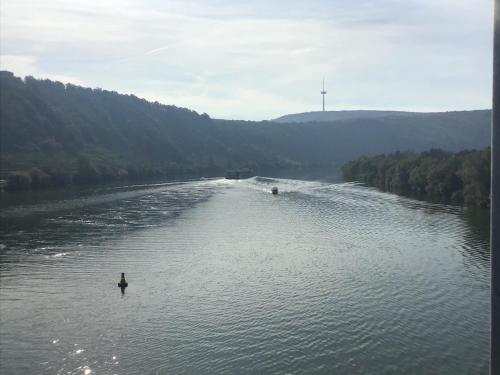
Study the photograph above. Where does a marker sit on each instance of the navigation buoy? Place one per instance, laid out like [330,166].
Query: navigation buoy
[123,283]
[274,190]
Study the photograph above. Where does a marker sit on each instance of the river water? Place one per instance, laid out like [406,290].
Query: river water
[225,278]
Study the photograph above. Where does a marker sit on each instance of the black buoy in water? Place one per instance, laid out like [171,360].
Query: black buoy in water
[123,283]
[274,190]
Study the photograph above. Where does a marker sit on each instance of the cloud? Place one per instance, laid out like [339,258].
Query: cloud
[260,59]
[27,66]
[23,65]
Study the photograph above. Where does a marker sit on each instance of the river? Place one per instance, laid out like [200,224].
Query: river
[225,278]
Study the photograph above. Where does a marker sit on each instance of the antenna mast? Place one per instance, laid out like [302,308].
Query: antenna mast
[323,93]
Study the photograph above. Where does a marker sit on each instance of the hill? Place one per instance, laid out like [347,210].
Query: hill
[52,133]
[329,116]
[317,143]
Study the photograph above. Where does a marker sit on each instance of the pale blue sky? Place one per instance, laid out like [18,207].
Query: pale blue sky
[260,59]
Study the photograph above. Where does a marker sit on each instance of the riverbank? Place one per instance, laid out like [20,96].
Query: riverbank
[85,173]
[436,175]
[35,180]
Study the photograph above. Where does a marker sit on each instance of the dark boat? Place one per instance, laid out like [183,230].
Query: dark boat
[238,174]
[274,190]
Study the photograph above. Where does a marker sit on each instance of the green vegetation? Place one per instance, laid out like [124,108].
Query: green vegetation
[55,134]
[436,175]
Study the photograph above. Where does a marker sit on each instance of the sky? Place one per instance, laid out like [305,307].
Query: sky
[260,59]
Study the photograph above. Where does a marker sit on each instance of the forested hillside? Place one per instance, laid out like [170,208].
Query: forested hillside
[435,175]
[55,134]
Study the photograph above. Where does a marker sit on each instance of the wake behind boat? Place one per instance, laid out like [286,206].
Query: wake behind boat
[238,174]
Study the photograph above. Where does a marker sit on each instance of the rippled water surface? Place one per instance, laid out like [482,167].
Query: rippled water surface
[225,278]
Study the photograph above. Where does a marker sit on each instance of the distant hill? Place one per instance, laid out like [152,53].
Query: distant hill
[329,116]
[338,141]
[53,132]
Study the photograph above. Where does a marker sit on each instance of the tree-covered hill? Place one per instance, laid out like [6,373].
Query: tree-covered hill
[343,140]
[437,175]
[45,119]
[54,133]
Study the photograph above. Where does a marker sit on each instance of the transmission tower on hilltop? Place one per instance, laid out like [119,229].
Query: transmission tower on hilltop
[323,92]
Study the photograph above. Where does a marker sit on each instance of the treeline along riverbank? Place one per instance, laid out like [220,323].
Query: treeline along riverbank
[436,175]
